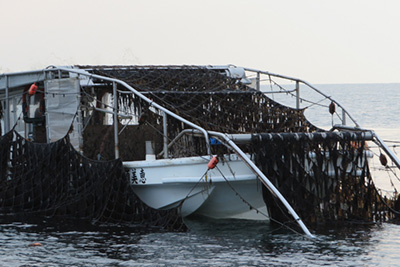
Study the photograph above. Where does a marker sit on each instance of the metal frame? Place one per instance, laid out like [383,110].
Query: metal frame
[298,81]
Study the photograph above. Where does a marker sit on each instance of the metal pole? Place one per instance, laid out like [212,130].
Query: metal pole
[388,151]
[115,120]
[264,180]
[306,83]
[258,82]
[165,135]
[343,117]
[297,95]
[7,110]
[79,120]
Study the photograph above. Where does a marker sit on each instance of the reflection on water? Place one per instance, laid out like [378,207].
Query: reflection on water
[207,243]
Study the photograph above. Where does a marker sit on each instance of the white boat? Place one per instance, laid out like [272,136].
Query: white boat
[187,183]
[70,99]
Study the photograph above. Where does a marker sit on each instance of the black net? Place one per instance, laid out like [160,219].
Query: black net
[170,78]
[324,176]
[206,97]
[322,188]
[53,180]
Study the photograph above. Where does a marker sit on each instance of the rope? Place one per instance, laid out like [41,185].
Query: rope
[251,206]
[191,190]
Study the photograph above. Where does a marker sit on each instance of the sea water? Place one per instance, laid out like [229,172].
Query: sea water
[224,242]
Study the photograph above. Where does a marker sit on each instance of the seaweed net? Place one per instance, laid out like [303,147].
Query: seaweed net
[53,180]
[206,97]
[325,179]
[324,176]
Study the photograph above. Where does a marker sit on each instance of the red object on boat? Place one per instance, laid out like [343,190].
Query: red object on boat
[213,162]
[32,89]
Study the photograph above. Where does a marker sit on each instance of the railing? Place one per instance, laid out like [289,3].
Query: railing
[376,139]
[297,91]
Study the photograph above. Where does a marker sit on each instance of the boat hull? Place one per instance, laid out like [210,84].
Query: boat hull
[229,191]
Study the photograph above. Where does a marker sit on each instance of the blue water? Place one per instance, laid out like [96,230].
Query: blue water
[372,105]
[224,242]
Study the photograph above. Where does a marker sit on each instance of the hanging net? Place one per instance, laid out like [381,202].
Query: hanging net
[324,179]
[206,97]
[53,180]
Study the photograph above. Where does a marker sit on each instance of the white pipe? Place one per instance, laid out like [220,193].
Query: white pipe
[264,180]
[387,150]
[7,108]
[165,137]
[115,118]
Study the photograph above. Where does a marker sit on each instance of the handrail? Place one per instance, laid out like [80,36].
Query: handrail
[237,138]
[387,150]
[309,85]
[183,132]
[378,141]
[79,71]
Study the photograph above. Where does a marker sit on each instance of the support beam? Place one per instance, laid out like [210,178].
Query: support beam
[297,95]
[115,120]
[391,155]
[343,117]
[317,136]
[263,179]
[258,87]
[7,108]
[165,135]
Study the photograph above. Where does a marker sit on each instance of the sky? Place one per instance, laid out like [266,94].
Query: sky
[320,41]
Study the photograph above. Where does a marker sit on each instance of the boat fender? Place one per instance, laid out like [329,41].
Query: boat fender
[33,89]
[332,108]
[213,162]
[383,160]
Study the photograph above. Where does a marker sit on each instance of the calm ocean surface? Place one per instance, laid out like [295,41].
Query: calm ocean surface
[225,242]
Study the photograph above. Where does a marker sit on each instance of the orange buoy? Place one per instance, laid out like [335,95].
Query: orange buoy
[36,244]
[213,162]
[32,89]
